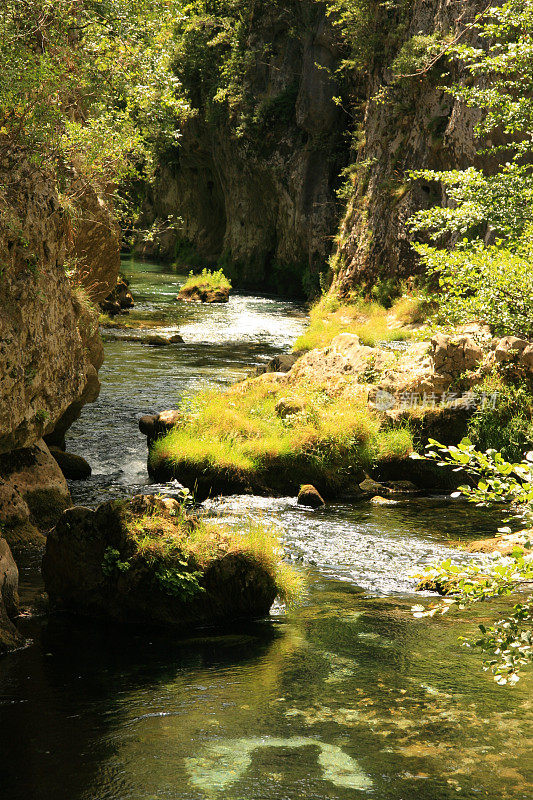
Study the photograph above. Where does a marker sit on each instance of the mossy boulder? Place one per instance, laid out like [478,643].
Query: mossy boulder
[310,497]
[146,561]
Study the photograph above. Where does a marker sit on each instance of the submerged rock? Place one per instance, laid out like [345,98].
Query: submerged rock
[310,497]
[72,466]
[133,561]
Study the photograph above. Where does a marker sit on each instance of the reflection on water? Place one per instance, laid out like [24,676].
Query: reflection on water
[346,696]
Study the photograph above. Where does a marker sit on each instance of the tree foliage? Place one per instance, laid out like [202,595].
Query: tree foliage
[488,212]
[88,84]
[508,643]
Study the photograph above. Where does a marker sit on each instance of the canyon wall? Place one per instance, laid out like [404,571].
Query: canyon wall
[261,199]
[50,349]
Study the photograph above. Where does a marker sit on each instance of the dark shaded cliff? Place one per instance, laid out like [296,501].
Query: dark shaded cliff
[255,180]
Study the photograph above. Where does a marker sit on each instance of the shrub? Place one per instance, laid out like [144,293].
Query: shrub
[490,285]
[207,279]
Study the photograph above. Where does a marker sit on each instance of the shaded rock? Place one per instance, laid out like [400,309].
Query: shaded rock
[455,355]
[526,359]
[282,363]
[9,636]
[15,520]
[509,349]
[204,294]
[310,497]
[72,466]
[78,577]
[35,475]
[288,408]
[147,425]
[119,299]
[176,339]
[394,487]
[156,340]
[96,241]
[155,425]
[444,422]
[425,474]
[372,487]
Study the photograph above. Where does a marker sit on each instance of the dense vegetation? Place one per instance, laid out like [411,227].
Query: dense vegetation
[87,89]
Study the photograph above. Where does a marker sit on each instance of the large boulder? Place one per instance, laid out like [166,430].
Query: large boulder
[34,493]
[94,564]
[9,636]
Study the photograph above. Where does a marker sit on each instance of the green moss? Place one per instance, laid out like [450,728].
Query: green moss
[177,548]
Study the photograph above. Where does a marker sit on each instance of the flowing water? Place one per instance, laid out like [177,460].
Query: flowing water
[346,696]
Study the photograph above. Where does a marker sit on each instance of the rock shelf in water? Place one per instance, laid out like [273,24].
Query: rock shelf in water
[146,561]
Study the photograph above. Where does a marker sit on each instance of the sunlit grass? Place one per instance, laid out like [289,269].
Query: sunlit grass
[237,435]
[369,320]
[181,542]
[207,279]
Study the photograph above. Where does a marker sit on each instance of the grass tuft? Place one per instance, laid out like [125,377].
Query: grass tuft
[372,322]
[207,279]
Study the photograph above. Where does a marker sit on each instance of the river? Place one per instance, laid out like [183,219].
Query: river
[345,696]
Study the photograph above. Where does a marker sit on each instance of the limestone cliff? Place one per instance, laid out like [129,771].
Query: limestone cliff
[260,196]
[414,125]
[50,349]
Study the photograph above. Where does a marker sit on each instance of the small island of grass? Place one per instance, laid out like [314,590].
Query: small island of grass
[206,287]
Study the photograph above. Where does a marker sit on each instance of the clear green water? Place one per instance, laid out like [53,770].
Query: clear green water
[346,696]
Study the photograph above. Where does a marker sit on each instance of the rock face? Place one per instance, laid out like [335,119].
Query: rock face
[265,199]
[50,349]
[9,636]
[234,585]
[262,199]
[33,492]
[416,126]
